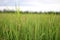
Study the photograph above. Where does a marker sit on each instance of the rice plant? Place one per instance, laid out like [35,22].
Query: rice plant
[29,27]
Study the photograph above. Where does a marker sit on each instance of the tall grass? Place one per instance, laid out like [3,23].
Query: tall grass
[29,27]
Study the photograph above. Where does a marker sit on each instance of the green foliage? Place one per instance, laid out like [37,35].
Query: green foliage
[29,27]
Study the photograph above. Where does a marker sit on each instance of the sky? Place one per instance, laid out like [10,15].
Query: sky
[9,2]
[31,5]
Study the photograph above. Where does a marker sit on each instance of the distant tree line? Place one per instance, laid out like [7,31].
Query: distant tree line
[27,12]
[7,11]
[50,12]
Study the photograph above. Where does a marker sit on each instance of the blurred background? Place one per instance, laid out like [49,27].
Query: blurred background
[31,5]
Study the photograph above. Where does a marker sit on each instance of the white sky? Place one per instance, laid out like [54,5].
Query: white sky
[31,5]
[40,5]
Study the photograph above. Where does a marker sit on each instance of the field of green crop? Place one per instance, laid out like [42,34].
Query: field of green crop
[29,26]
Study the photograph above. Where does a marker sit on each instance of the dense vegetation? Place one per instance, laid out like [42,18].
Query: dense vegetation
[35,26]
[27,12]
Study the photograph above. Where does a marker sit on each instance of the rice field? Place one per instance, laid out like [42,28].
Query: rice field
[29,26]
